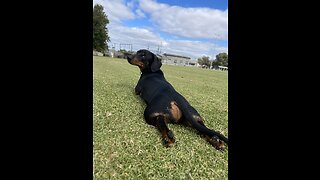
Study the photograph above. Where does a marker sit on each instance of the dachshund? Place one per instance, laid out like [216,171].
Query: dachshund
[165,104]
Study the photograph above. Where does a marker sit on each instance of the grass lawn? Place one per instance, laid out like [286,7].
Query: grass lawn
[125,147]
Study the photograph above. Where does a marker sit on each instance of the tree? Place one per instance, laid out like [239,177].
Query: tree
[125,51]
[222,59]
[100,31]
[204,61]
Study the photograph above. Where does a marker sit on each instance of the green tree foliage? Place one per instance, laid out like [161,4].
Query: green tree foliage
[100,31]
[221,59]
[125,51]
[204,61]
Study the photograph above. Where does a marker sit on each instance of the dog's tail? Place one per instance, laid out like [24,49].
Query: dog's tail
[189,117]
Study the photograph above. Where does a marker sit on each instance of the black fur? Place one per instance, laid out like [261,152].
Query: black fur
[165,104]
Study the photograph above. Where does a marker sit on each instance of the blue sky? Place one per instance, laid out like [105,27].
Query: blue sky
[191,28]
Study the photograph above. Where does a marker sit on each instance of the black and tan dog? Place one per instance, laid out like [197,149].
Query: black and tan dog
[164,104]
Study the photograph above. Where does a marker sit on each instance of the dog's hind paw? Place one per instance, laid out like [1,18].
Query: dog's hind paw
[217,143]
[170,135]
[169,140]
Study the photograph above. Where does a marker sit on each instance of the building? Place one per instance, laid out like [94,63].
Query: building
[223,68]
[96,53]
[172,59]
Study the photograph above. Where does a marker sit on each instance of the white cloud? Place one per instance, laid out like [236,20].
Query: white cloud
[140,14]
[142,38]
[139,37]
[151,6]
[193,49]
[131,4]
[188,22]
[116,10]
[177,21]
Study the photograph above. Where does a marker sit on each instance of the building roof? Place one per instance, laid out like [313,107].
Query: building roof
[223,67]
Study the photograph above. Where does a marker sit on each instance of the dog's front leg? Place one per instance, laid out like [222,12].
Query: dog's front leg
[138,89]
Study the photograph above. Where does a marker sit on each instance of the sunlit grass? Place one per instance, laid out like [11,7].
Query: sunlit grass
[125,147]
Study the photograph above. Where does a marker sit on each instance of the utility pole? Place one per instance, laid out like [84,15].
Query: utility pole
[114,45]
[212,62]
[213,56]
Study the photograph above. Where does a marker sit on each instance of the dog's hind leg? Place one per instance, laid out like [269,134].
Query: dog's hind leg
[167,135]
[160,120]
[215,141]
[196,117]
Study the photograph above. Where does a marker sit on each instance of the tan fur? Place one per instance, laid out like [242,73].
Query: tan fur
[175,111]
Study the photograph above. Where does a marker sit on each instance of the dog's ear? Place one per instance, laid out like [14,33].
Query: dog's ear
[156,64]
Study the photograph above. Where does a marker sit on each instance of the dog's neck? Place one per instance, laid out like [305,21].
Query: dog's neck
[150,73]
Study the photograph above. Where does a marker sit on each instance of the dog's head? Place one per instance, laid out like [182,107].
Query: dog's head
[145,60]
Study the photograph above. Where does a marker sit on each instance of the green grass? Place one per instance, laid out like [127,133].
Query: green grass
[125,147]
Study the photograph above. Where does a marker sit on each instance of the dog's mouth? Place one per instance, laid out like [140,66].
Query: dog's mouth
[137,62]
